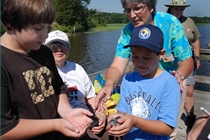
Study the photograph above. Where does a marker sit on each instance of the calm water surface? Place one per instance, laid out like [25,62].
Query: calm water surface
[205,65]
[95,51]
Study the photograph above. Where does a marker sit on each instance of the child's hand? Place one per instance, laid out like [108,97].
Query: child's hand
[78,117]
[68,129]
[101,125]
[125,122]
[114,117]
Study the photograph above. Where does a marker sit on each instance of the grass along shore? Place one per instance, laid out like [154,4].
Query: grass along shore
[122,25]
[117,26]
[107,28]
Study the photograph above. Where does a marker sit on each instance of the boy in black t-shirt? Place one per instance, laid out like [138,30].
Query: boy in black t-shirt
[34,103]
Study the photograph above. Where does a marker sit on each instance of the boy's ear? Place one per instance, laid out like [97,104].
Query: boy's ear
[151,10]
[163,51]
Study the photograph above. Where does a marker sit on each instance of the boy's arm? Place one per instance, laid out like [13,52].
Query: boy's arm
[28,128]
[126,122]
[152,126]
[63,104]
[91,102]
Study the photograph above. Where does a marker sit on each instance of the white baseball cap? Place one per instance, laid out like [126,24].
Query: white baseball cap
[57,36]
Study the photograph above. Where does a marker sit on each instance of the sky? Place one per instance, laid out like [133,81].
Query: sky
[199,8]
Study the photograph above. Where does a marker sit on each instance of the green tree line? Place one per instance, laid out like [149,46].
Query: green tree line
[198,20]
[74,16]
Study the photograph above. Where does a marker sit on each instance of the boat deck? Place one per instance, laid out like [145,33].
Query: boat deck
[202,99]
[201,95]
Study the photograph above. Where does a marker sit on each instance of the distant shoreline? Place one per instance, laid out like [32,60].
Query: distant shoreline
[107,28]
[117,26]
[202,24]
[122,25]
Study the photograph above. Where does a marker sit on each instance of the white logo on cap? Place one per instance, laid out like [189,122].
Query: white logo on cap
[144,33]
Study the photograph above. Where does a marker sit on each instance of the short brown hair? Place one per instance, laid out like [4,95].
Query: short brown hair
[18,14]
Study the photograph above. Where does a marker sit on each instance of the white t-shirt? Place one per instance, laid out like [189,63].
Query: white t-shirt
[79,84]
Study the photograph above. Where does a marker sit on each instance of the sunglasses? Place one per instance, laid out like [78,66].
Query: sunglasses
[179,8]
[55,47]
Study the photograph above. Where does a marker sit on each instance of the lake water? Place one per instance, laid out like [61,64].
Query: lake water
[205,65]
[95,51]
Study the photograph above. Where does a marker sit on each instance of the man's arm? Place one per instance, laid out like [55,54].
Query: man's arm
[116,71]
[113,75]
[117,68]
[186,67]
[184,70]
[196,49]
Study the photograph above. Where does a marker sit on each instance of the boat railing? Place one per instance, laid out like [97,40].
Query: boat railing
[205,54]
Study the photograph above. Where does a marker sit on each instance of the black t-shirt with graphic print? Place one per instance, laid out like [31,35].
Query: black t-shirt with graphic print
[30,88]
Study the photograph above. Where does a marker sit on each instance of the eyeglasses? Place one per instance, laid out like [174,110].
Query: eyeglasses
[136,10]
[179,8]
[55,47]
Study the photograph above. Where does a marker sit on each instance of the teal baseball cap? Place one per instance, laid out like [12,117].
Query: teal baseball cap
[148,36]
